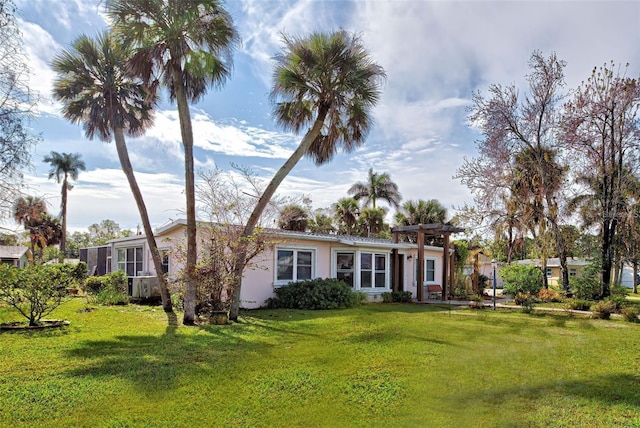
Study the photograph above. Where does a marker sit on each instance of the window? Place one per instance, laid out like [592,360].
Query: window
[429,270]
[130,260]
[362,270]
[294,265]
[345,267]
[573,272]
[548,272]
[165,261]
[373,271]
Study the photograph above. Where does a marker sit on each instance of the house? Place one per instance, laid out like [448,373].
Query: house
[554,270]
[15,255]
[370,265]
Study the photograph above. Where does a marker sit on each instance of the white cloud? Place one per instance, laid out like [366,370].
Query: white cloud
[233,139]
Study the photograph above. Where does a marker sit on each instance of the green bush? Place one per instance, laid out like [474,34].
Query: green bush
[397,296]
[603,309]
[521,279]
[116,280]
[318,293]
[36,290]
[110,296]
[586,285]
[618,296]
[579,305]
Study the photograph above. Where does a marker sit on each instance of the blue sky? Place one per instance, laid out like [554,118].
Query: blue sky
[436,54]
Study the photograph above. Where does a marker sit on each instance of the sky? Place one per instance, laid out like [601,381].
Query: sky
[436,55]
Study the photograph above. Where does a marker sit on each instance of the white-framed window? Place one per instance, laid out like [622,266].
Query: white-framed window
[362,269]
[429,270]
[130,260]
[549,272]
[345,266]
[165,255]
[294,264]
[573,272]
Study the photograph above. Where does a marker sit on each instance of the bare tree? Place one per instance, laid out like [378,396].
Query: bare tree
[524,126]
[17,105]
[602,127]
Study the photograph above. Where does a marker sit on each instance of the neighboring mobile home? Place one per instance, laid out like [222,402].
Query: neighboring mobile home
[367,264]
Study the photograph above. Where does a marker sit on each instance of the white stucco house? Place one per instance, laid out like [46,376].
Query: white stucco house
[369,265]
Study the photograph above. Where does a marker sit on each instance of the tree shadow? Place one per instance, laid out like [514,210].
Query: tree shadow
[607,390]
[155,364]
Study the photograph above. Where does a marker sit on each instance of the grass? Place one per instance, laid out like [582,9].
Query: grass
[374,366]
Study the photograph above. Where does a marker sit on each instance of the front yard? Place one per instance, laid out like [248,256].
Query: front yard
[378,365]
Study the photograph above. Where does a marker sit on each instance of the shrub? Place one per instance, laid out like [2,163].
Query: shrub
[110,296]
[630,313]
[521,279]
[526,300]
[318,293]
[116,280]
[397,296]
[603,309]
[549,295]
[586,285]
[34,291]
[94,284]
[618,296]
[579,305]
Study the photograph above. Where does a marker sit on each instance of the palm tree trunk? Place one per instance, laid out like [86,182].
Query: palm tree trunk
[271,188]
[189,174]
[125,163]
[63,239]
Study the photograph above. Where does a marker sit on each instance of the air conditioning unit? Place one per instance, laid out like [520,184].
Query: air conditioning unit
[144,287]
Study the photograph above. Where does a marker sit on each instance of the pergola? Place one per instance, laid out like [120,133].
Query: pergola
[431,229]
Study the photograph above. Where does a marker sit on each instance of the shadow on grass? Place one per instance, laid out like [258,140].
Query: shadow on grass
[157,363]
[607,390]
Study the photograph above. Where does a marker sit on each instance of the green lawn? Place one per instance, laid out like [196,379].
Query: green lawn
[375,366]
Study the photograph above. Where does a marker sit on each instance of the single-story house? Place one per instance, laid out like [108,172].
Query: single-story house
[554,270]
[370,265]
[15,255]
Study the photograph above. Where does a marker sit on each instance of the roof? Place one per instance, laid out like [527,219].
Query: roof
[12,251]
[554,262]
[289,234]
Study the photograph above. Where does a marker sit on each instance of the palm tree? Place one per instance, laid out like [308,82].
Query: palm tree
[293,217]
[29,212]
[325,85]
[185,46]
[346,212]
[96,92]
[421,212]
[63,167]
[378,186]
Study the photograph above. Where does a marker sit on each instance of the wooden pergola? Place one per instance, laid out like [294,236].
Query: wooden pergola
[432,229]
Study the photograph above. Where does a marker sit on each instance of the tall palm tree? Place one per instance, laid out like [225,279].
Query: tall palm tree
[346,212]
[421,212]
[378,186]
[63,167]
[325,85]
[29,211]
[96,92]
[185,46]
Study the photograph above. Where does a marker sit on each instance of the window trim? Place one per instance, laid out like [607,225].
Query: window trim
[357,271]
[295,248]
[135,261]
[424,271]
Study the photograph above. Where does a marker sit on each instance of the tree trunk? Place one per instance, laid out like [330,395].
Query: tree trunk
[280,175]
[63,239]
[186,132]
[635,276]
[125,163]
